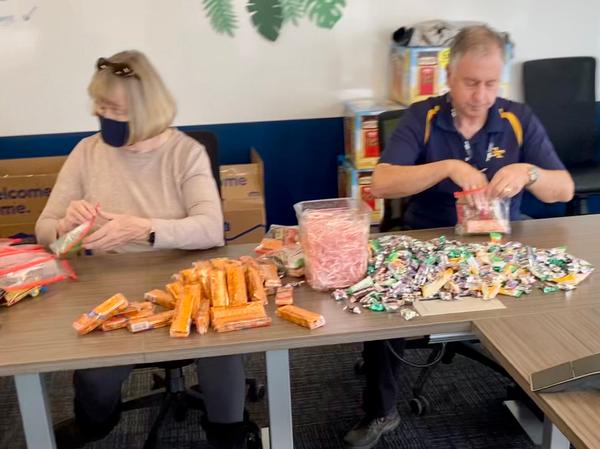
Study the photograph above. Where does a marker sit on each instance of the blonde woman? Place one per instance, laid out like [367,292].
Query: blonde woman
[151,187]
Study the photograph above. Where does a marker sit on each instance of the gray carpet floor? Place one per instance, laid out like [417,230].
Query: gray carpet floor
[465,396]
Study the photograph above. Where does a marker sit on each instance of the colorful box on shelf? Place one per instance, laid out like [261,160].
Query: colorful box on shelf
[420,72]
[356,183]
[361,137]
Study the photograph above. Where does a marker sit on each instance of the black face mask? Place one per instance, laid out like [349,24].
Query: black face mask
[114,132]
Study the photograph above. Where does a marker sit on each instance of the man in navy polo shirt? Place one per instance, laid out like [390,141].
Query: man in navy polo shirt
[466,139]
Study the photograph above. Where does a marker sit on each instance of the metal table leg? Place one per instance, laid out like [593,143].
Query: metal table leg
[35,411]
[280,402]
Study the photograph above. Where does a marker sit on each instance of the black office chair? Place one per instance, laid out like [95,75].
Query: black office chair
[170,391]
[393,209]
[562,93]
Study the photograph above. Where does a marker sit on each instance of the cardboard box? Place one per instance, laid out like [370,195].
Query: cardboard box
[361,135]
[356,183]
[25,185]
[420,72]
[242,189]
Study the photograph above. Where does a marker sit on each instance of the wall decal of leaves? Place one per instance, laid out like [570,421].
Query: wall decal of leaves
[292,10]
[267,17]
[221,15]
[325,13]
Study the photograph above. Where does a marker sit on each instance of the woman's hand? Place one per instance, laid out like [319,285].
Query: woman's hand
[78,212]
[118,230]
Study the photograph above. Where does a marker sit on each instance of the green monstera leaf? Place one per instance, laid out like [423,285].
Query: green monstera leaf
[221,15]
[292,10]
[267,17]
[325,13]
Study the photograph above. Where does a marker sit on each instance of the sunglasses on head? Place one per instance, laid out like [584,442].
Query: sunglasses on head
[118,68]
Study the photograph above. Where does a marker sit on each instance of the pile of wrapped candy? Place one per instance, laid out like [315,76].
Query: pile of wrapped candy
[403,270]
[225,294]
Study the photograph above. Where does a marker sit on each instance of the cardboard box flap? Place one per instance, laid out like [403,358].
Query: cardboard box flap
[31,166]
[243,181]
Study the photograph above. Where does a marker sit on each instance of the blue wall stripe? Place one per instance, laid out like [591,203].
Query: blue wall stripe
[300,156]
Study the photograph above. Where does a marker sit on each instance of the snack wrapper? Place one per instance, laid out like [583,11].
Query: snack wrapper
[91,320]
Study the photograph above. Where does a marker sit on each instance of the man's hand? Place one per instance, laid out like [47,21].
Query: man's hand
[78,212]
[465,175]
[509,181]
[118,230]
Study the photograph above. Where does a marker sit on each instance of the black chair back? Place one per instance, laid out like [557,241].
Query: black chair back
[211,144]
[562,93]
[393,209]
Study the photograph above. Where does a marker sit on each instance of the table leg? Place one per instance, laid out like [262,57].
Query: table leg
[35,411]
[552,438]
[280,402]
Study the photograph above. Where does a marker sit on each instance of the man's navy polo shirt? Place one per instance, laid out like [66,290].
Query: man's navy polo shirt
[426,133]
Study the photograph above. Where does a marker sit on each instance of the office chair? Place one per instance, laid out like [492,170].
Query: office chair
[393,209]
[562,93]
[441,351]
[170,391]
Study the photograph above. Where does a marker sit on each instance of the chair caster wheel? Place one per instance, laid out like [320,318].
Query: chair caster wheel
[359,367]
[419,406]
[256,393]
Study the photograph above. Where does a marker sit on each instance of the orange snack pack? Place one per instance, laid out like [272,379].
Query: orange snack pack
[203,270]
[269,273]
[300,316]
[284,296]
[175,289]
[251,309]
[182,318]
[219,262]
[151,322]
[189,276]
[243,324]
[136,307]
[236,283]
[218,288]
[91,320]
[161,298]
[202,317]
[255,282]
[120,321]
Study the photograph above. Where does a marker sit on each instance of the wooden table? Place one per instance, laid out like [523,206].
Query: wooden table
[525,344]
[37,337]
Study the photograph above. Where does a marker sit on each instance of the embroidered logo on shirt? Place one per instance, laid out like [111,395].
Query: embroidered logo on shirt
[495,152]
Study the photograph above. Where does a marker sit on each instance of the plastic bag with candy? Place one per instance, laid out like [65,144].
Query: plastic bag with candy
[47,272]
[70,242]
[476,213]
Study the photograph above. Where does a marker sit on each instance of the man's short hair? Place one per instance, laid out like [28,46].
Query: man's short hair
[479,39]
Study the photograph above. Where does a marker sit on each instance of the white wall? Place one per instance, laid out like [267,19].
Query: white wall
[46,62]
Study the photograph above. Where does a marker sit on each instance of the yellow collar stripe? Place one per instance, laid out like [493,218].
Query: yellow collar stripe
[515,123]
[430,114]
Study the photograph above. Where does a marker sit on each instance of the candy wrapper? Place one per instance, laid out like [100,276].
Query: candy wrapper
[70,242]
[91,320]
[300,316]
[161,298]
[334,236]
[403,270]
[151,322]
[476,213]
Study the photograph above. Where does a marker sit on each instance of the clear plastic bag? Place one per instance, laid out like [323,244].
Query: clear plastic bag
[19,259]
[476,213]
[334,235]
[47,272]
[70,242]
